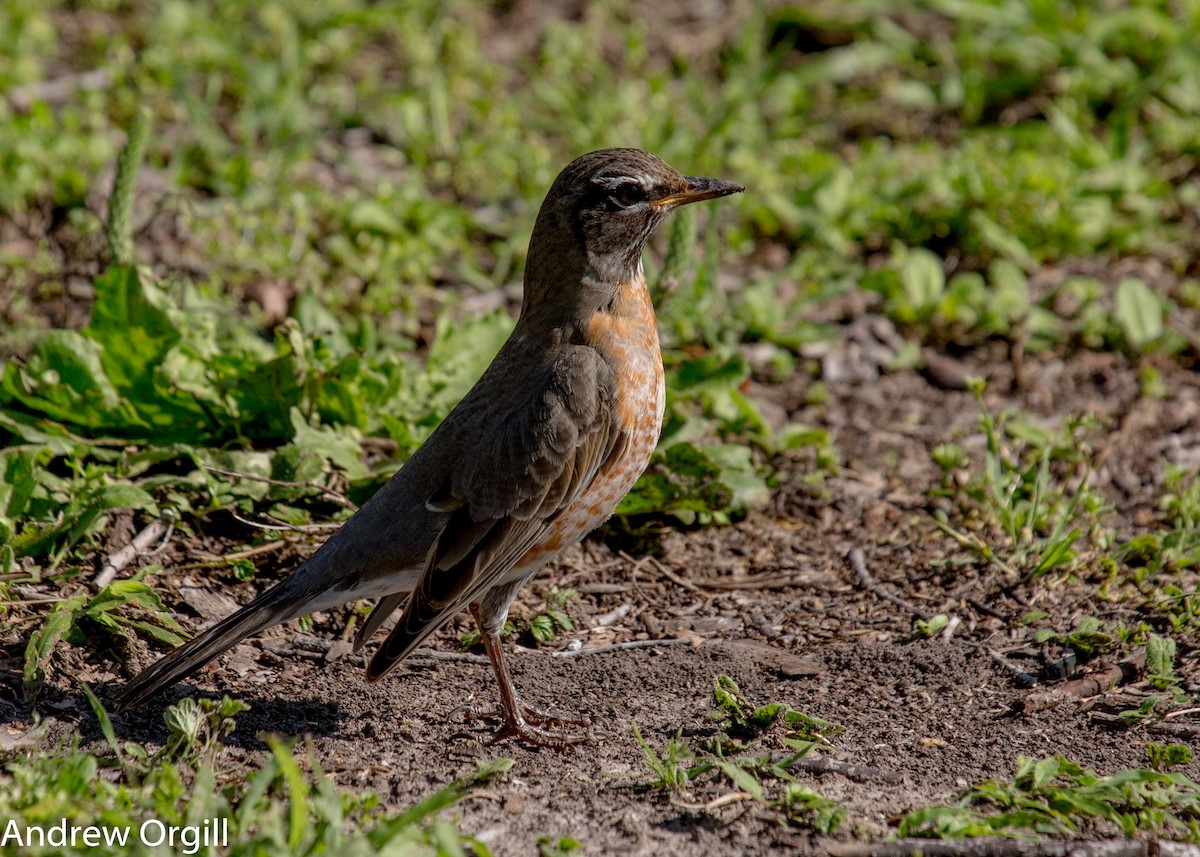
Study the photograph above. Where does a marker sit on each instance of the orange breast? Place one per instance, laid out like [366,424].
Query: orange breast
[628,338]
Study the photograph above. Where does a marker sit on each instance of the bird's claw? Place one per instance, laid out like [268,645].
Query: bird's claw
[534,726]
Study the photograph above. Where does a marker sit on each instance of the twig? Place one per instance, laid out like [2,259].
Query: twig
[994,846]
[331,493]
[436,655]
[859,564]
[762,581]
[612,616]
[717,802]
[672,576]
[1023,677]
[602,588]
[818,764]
[1184,731]
[617,647]
[1093,684]
[285,528]
[213,559]
[160,528]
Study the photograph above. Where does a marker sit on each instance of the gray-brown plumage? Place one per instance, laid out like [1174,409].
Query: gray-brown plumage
[537,454]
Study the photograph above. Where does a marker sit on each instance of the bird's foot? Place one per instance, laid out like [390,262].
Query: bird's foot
[542,730]
[535,727]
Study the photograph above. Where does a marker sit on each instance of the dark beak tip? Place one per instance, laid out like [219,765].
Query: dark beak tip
[702,188]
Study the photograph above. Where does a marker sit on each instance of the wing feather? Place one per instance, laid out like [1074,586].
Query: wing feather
[544,454]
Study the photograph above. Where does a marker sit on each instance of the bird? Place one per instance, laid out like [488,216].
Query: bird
[538,453]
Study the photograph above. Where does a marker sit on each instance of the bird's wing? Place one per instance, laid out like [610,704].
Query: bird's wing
[506,488]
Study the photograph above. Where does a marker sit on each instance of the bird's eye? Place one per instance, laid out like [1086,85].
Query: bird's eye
[628,194]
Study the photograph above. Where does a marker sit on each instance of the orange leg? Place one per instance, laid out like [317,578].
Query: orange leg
[522,721]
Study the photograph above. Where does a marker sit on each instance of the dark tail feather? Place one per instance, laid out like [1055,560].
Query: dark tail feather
[382,612]
[276,605]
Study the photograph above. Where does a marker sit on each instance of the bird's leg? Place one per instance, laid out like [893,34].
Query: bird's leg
[522,721]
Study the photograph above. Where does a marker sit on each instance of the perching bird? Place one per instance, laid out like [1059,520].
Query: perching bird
[538,453]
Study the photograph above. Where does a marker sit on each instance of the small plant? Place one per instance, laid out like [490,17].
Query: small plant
[1181,498]
[548,846]
[1089,638]
[1160,662]
[1053,795]
[736,713]
[764,779]
[1163,757]
[121,607]
[932,626]
[673,768]
[1042,516]
[544,625]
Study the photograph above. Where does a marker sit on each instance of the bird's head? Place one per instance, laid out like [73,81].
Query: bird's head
[599,213]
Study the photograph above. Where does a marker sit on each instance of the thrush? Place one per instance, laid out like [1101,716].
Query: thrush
[536,455]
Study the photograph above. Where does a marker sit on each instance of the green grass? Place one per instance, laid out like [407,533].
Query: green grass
[1028,510]
[283,805]
[967,168]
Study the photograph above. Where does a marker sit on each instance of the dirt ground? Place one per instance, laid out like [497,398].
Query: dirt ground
[772,602]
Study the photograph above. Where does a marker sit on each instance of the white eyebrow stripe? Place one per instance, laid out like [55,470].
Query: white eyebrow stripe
[641,179]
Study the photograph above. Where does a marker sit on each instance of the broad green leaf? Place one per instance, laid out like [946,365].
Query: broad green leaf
[134,334]
[459,355]
[923,278]
[1009,294]
[18,480]
[1001,241]
[341,447]
[1044,773]
[58,622]
[1139,312]
[710,373]
[1160,656]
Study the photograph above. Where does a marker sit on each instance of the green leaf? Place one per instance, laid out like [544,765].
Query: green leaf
[741,778]
[58,622]
[1001,241]
[1139,312]
[133,332]
[1160,657]
[542,628]
[923,278]
[1044,773]
[297,790]
[18,481]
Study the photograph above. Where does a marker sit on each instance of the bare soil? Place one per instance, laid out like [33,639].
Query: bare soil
[772,602]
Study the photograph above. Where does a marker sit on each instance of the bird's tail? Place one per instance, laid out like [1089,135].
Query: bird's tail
[277,604]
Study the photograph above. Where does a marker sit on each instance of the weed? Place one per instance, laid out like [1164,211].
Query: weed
[275,809]
[765,779]
[1089,638]
[548,846]
[932,626]
[736,713]
[1181,498]
[1054,795]
[1040,515]
[79,618]
[674,767]
[545,624]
